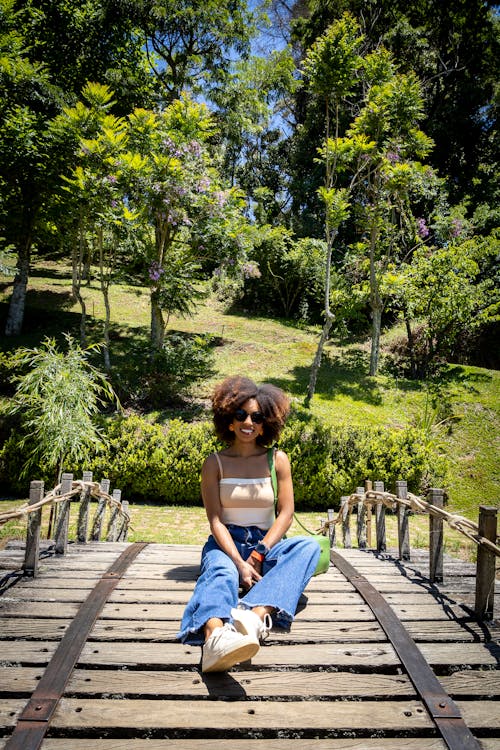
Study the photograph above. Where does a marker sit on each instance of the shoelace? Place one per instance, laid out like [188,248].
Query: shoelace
[267,624]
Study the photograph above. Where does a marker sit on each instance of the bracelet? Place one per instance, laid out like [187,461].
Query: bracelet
[257,556]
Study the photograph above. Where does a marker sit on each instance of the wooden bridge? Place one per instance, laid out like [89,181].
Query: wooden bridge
[334,682]
[384,652]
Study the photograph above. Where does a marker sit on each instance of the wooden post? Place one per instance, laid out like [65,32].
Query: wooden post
[436,497]
[380,519]
[368,511]
[346,521]
[361,519]
[83,513]
[61,535]
[99,514]
[403,527]
[122,534]
[31,554]
[485,568]
[332,529]
[111,535]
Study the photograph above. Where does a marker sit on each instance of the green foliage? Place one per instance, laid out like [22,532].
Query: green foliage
[447,290]
[154,462]
[57,399]
[162,463]
[164,378]
[329,462]
[291,274]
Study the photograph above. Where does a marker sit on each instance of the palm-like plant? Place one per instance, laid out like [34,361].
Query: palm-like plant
[57,398]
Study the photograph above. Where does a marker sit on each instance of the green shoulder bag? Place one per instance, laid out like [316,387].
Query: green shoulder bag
[322,541]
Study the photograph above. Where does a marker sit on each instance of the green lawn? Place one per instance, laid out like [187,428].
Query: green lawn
[280,352]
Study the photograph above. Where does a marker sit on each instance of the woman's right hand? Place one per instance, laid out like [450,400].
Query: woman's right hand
[248,574]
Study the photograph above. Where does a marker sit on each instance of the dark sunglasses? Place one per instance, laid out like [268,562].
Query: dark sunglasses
[256,416]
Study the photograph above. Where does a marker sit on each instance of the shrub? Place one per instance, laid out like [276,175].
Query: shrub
[162,463]
[182,361]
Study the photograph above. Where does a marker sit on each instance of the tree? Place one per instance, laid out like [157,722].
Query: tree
[48,51]
[392,175]
[178,195]
[58,399]
[28,167]
[452,47]
[330,68]
[191,46]
[369,167]
[97,202]
[445,289]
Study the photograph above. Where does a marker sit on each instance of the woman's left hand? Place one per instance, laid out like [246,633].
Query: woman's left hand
[249,574]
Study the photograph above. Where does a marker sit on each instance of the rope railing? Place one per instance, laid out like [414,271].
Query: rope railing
[79,487]
[416,504]
[373,497]
[59,500]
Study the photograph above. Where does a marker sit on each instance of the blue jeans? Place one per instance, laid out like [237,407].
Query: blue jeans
[286,571]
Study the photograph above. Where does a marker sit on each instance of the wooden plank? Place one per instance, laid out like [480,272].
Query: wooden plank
[191,685]
[267,716]
[302,631]
[251,744]
[410,743]
[173,611]
[22,680]
[313,656]
[240,716]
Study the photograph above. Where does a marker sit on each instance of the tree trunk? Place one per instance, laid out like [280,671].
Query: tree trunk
[317,358]
[411,348]
[376,305]
[157,325]
[376,329]
[105,279]
[15,316]
[76,279]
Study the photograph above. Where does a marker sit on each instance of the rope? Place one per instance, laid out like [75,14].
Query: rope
[52,498]
[466,527]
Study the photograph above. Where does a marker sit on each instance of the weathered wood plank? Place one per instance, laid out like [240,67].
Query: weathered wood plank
[332,631]
[410,743]
[161,683]
[76,714]
[173,611]
[85,713]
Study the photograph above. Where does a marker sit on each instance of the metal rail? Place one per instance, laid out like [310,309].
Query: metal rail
[442,709]
[36,716]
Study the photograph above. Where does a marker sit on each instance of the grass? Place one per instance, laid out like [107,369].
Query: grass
[188,525]
[280,352]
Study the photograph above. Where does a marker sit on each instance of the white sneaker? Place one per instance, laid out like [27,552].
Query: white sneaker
[226,647]
[248,622]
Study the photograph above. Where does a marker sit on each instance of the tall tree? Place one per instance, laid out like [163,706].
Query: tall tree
[191,44]
[28,168]
[453,48]
[48,52]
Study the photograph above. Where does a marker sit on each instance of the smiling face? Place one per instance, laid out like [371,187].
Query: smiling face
[247,430]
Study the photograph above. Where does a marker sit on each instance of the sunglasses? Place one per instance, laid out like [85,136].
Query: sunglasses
[256,416]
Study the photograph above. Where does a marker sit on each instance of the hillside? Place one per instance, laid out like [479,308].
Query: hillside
[281,352]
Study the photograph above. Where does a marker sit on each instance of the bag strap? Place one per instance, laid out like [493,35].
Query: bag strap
[274,482]
[274,479]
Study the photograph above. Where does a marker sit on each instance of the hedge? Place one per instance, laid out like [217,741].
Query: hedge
[160,463]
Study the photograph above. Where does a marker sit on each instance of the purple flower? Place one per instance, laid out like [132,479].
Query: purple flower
[155,271]
[422,228]
[457,226]
[393,157]
[112,178]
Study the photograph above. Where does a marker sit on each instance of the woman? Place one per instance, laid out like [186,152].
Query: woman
[246,547]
